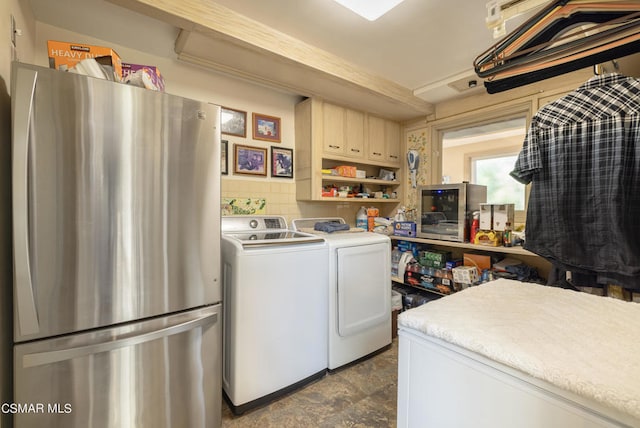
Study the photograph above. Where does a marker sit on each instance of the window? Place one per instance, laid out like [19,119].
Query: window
[493,172]
[485,153]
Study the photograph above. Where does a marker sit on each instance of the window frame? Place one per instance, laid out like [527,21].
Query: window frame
[503,112]
[469,160]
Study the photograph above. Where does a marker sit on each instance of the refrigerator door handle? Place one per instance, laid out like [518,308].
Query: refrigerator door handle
[49,357]
[25,297]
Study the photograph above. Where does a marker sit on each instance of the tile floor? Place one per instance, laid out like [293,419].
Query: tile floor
[360,395]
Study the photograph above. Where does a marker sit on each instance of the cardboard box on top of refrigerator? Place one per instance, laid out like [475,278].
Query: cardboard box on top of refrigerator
[64,56]
[144,76]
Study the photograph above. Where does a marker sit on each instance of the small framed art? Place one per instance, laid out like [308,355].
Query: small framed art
[266,128]
[250,160]
[281,162]
[224,159]
[233,122]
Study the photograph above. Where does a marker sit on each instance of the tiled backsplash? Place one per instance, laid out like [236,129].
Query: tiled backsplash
[281,200]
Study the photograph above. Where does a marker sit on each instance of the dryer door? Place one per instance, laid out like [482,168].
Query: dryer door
[364,287]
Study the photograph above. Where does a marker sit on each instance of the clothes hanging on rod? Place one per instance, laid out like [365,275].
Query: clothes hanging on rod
[614,32]
[582,158]
[565,36]
[609,53]
[551,22]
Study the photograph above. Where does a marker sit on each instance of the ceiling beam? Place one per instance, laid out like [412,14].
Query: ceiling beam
[211,21]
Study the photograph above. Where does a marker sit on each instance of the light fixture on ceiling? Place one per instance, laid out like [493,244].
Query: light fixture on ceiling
[369,9]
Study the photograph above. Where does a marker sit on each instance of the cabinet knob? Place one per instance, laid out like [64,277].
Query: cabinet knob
[333,146]
[393,157]
[377,154]
[355,150]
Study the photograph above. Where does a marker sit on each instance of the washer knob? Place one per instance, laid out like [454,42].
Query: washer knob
[253,223]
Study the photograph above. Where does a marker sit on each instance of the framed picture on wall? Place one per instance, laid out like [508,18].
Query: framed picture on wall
[250,160]
[224,160]
[233,122]
[281,162]
[266,128]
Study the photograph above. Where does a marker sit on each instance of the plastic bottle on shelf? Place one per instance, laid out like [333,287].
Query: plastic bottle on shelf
[395,259]
[361,219]
[507,238]
[475,226]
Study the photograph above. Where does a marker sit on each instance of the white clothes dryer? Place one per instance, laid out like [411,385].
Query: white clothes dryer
[359,291]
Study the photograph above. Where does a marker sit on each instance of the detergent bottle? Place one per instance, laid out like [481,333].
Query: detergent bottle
[361,219]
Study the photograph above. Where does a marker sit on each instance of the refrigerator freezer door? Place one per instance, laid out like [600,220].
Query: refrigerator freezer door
[159,373]
[115,203]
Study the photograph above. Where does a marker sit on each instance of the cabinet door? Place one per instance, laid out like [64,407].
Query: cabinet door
[354,134]
[333,141]
[392,142]
[376,146]
[363,300]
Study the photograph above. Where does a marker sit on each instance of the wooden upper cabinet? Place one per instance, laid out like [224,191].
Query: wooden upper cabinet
[357,135]
[376,139]
[333,129]
[354,134]
[392,142]
[328,135]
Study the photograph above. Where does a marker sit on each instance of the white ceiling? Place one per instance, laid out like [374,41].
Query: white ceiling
[422,45]
[416,44]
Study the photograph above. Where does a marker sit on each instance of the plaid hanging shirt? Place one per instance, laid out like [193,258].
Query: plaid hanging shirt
[582,156]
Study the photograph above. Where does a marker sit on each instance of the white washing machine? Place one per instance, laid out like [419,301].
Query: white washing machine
[359,291]
[275,309]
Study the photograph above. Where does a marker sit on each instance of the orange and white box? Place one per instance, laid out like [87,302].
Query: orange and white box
[64,56]
[372,213]
[346,171]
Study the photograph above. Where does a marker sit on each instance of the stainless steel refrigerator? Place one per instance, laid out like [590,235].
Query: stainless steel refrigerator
[117,296]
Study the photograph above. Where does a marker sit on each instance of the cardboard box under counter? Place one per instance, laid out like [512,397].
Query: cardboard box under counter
[465,274]
[480,261]
[435,258]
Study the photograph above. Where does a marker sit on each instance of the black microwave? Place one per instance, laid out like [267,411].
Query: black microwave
[445,210]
